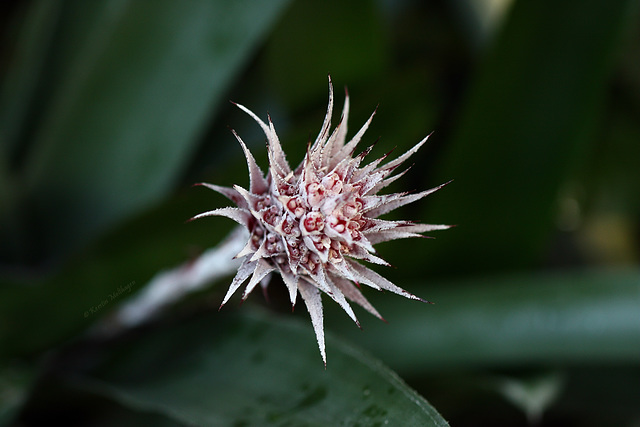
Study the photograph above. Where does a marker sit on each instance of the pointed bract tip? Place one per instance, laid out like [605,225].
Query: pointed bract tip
[417,298]
[422,236]
[388,153]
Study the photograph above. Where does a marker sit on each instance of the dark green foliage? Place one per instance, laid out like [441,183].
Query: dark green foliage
[111,109]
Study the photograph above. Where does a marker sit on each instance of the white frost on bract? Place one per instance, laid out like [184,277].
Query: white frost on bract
[314,223]
[169,286]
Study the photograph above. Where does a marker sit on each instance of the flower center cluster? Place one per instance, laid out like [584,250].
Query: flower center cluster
[307,222]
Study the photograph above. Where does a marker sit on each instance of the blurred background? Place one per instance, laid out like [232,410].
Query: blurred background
[110,110]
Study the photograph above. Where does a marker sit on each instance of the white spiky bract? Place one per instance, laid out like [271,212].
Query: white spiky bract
[313,224]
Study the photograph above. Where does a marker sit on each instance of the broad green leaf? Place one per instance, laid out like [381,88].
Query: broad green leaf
[18,85]
[250,370]
[530,119]
[20,80]
[133,85]
[37,313]
[562,318]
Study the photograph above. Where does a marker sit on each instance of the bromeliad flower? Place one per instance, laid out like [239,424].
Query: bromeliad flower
[315,223]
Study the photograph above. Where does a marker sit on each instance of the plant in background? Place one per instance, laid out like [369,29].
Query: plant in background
[313,224]
[533,321]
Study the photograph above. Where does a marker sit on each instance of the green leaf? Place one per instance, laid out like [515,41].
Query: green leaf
[353,50]
[52,308]
[530,119]
[17,88]
[20,80]
[515,320]
[133,84]
[533,395]
[223,370]
[15,382]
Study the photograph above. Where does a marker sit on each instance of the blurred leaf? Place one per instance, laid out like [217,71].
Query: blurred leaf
[17,87]
[529,121]
[55,400]
[579,317]
[255,371]
[602,395]
[344,39]
[591,395]
[533,395]
[481,19]
[15,382]
[136,84]
[616,175]
[20,80]
[50,309]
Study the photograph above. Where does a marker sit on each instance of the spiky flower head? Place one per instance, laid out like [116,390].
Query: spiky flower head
[315,223]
